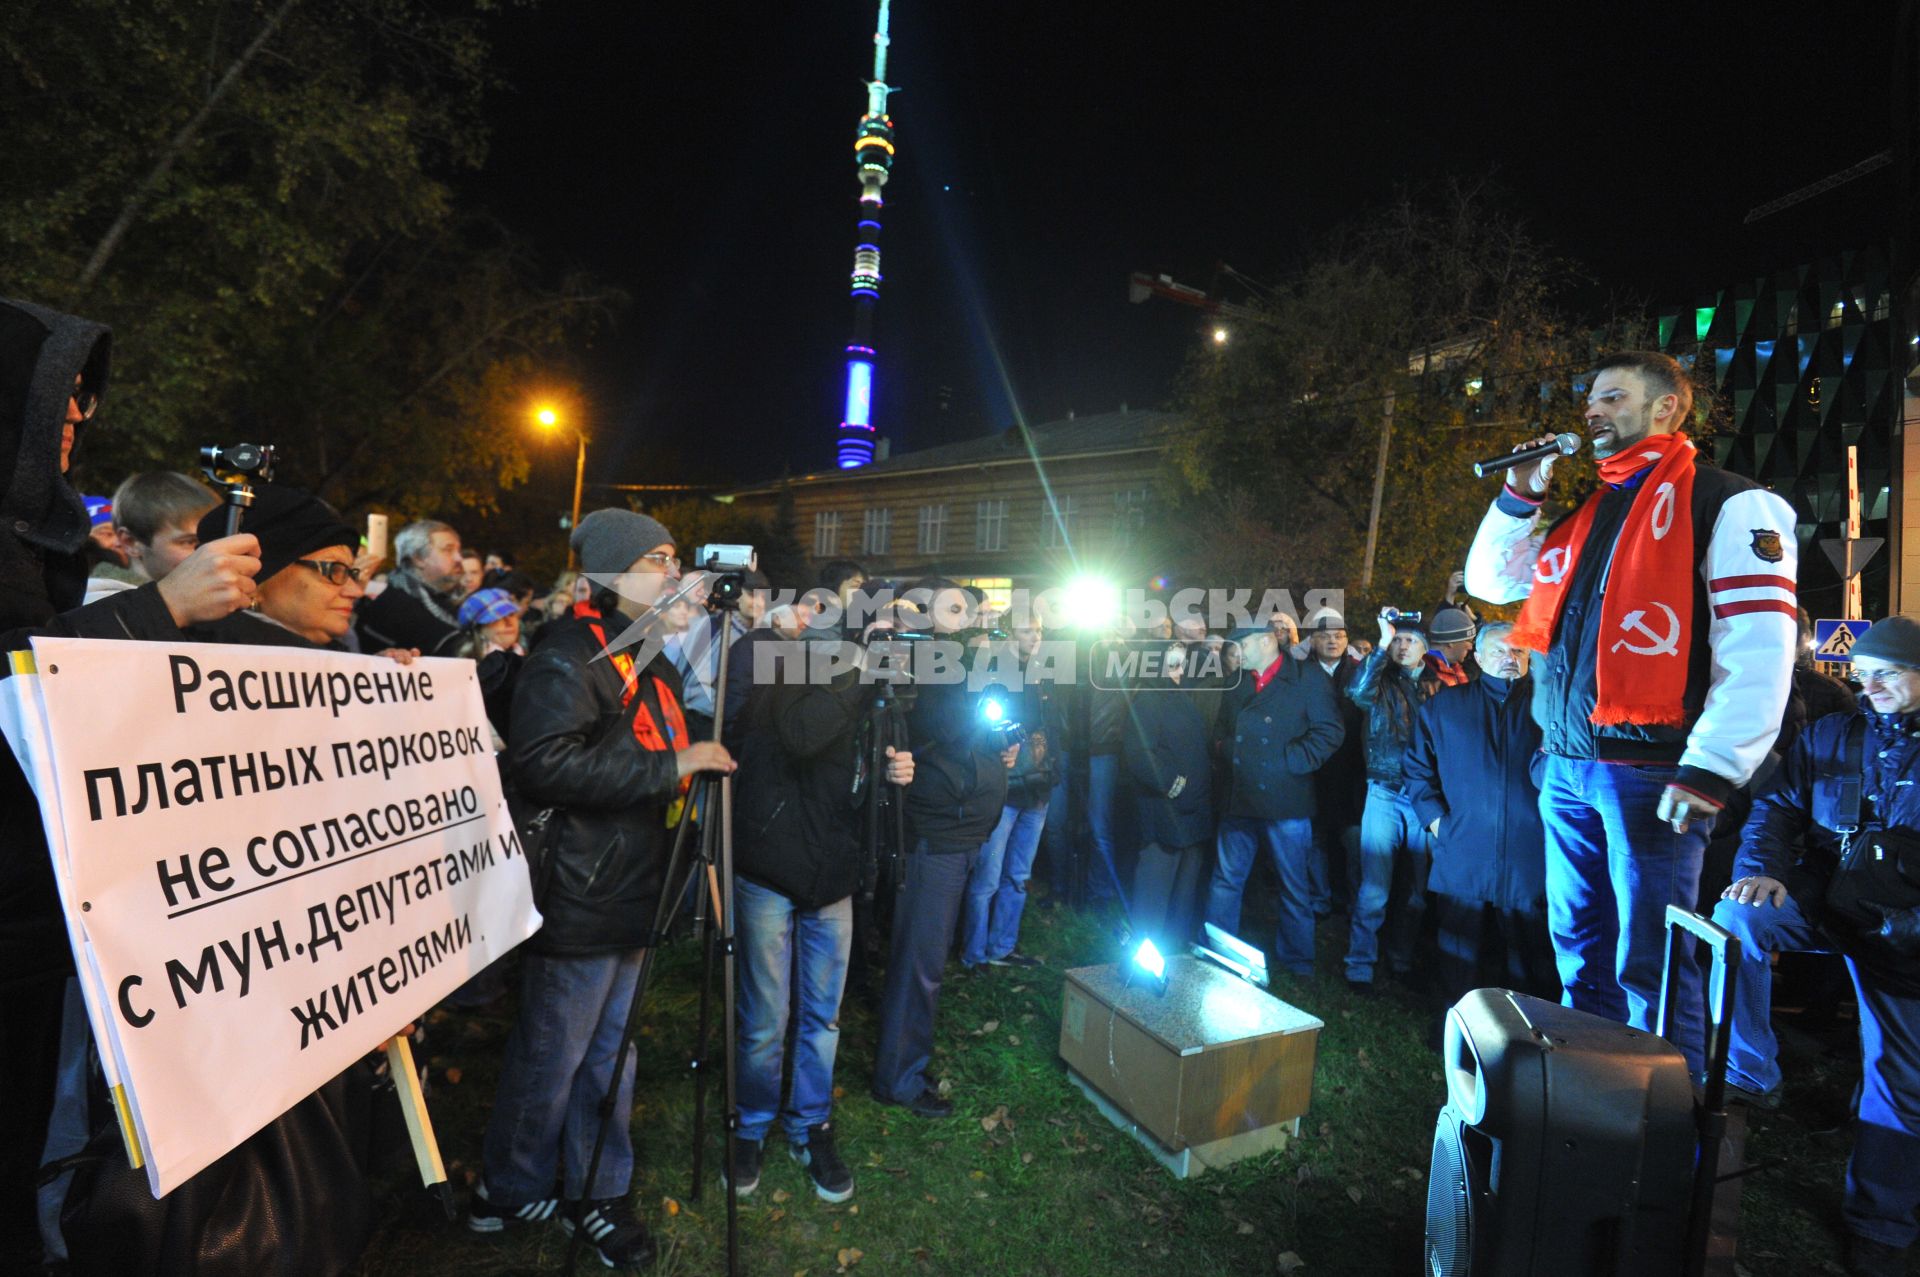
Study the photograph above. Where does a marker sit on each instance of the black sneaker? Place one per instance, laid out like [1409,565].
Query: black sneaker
[484,1217]
[831,1178]
[1016,959]
[616,1234]
[929,1103]
[744,1175]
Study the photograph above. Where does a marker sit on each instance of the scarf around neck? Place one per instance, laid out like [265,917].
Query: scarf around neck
[1647,602]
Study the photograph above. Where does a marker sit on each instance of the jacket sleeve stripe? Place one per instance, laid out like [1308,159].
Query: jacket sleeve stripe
[1720,583]
[1755,605]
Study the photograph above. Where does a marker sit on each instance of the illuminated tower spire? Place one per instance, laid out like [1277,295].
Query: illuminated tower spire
[873,159]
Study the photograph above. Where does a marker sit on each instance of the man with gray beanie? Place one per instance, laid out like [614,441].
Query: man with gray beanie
[600,746]
[1449,660]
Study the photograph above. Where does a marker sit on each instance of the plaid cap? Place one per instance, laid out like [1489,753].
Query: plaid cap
[483,607]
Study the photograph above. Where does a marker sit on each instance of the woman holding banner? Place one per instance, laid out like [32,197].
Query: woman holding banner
[293,1199]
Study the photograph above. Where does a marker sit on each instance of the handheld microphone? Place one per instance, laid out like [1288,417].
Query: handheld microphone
[1562,446]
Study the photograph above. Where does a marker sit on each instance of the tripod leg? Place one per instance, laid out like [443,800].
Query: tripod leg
[704,916]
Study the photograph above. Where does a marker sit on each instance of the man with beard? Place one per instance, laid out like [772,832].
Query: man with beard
[420,608]
[1664,608]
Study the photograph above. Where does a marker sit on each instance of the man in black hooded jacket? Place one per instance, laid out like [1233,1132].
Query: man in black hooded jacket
[53,371]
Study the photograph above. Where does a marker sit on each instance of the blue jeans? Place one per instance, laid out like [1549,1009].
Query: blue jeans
[558,1066]
[1390,838]
[923,918]
[997,886]
[1103,784]
[1883,1175]
[782,946]
[1613,867]
[1291,844]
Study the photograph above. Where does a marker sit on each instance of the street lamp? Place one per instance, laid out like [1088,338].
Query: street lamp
[549,419]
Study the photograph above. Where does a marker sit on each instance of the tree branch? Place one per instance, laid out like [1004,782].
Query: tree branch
[176,147]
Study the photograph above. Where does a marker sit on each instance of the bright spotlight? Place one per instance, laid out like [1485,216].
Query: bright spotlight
[1220,336]
[547,417]
[1091,603]
[1149,967]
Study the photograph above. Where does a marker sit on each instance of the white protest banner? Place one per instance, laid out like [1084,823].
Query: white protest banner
[273,858]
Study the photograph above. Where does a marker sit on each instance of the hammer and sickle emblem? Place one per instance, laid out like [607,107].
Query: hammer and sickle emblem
[1552,565]
[1662,517]
[1663,645]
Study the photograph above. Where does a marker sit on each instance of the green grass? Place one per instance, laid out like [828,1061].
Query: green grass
[1052,1188]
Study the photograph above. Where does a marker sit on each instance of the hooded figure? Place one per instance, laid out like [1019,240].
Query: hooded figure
[43,521]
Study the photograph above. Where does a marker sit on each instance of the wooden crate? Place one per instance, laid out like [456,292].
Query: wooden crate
[1212,1059]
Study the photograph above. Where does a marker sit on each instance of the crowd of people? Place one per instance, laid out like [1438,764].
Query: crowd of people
[1445,800]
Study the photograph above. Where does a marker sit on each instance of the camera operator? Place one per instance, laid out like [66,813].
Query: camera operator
[958,795]
[1802,886]
[602,744]
[803,792]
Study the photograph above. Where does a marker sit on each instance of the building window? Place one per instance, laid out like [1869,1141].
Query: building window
[1059,519]
[876,532]
[990,525]
[933,528]
[1129,515]
[826,534]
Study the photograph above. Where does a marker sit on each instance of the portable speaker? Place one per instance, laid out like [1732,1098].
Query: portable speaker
[1567,1145]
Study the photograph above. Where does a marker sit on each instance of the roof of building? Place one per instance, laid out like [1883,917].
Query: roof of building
[1101,433]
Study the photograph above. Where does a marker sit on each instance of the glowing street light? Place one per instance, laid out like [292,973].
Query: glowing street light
[548,418]
[1220,336]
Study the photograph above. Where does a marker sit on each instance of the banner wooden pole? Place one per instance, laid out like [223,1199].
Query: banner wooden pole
[413,1106]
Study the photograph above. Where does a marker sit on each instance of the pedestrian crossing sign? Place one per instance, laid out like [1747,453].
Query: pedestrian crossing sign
[1834,640]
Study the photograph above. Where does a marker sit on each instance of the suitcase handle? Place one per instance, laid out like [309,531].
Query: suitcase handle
[1684,927]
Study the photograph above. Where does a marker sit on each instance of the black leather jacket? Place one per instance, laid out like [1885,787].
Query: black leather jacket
[574,748]
[801,827]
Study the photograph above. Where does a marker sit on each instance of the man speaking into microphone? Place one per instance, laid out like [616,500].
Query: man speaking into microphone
[1664,610]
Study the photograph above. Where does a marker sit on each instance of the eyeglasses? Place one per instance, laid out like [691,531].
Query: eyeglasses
[1883,676]
[336,572]
[667,562]
[86,401]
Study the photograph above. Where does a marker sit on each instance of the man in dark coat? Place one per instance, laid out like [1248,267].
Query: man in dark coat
[1390,880]
[420,608]
[602,744]
[1468,776]
[1792,854]
[1276,729]
[958,793]
[1340,786]
[1168,756]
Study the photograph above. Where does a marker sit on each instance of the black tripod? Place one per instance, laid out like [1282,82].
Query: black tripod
[711,866]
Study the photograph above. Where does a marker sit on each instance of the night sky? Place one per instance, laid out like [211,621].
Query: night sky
[701,159]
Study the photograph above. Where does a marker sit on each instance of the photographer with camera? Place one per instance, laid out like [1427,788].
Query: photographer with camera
[599,741]
[1830,860]
[958,795]
[803,792]
[1390,880]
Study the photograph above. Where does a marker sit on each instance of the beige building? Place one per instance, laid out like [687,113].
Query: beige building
[1022,508]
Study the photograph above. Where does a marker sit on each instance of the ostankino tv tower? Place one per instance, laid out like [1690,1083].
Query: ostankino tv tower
[873,159]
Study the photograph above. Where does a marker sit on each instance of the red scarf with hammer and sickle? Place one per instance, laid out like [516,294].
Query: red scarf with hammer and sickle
[1646,608]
